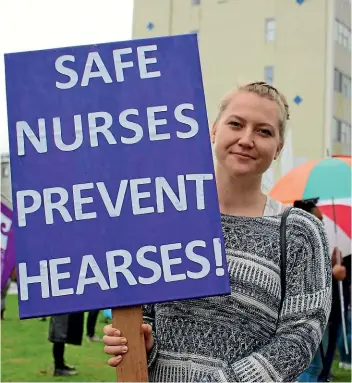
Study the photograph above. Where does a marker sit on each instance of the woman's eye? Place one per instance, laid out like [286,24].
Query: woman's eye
[235,124]
[265,132]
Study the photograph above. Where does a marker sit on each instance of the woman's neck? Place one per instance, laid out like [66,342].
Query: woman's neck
[241,196]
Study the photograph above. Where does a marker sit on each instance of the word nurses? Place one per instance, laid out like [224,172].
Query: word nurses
[130,127]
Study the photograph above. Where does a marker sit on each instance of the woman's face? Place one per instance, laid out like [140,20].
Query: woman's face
[246,136]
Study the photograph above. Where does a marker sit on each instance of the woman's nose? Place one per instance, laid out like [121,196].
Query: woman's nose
[246,138]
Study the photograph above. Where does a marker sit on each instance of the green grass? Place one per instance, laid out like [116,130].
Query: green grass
[26,353]
[339,374]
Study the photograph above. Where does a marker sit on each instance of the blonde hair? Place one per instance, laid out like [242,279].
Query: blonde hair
[267,91]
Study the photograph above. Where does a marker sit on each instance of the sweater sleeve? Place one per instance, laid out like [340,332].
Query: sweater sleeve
[305,310]
[149,318]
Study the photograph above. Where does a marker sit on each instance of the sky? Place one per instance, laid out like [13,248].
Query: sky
[43,24]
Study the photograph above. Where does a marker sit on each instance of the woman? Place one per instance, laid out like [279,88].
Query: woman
[239,337]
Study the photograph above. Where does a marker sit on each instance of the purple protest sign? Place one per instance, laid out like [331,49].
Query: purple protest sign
[8,261]
[113,185]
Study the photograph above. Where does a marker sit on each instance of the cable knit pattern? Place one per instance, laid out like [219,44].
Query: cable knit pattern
[238,337]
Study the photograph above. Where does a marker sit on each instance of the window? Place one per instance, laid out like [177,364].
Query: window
[346,86]
[346,133]
[270,28]
[269,74]
[342,83]
[341,131]
[5,171]
[343,34]
[336,130]
[337,80]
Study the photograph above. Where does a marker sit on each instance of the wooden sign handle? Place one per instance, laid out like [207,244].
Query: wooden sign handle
[133,367]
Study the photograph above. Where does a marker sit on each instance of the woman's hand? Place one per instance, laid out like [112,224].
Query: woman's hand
[116,344]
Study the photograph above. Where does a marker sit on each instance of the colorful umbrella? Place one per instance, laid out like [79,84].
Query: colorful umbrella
[339,236]
[324,179]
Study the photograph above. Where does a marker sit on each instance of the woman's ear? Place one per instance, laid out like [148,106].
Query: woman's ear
[213,132]
[279,149]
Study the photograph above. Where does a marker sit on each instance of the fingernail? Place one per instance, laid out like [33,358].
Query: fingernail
[118,358]
[123,340]
[124,349]
[117,333]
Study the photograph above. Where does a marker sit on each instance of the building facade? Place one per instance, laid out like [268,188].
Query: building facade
[303,47]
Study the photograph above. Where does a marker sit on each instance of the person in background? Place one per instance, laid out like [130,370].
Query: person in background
[345,359]
[244,336]
[65,329]
[13,278]
[91,323]
[3,298]
[339,273]
[319,369]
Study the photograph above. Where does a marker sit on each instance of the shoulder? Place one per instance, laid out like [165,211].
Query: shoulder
[306,231]
[308,257]
[305,221]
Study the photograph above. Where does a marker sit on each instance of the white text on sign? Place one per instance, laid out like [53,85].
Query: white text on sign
[55,198]
[93,58]
[101,125]
[118,263]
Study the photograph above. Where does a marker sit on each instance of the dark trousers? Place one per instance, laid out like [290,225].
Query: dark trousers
[58,354]
[334,326]
[91,322]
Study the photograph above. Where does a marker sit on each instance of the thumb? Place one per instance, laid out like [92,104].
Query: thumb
[148,337]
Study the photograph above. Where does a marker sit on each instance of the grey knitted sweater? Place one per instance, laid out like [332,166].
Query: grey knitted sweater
[238,337]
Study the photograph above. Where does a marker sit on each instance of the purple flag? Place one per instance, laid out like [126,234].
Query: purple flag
[7,244]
